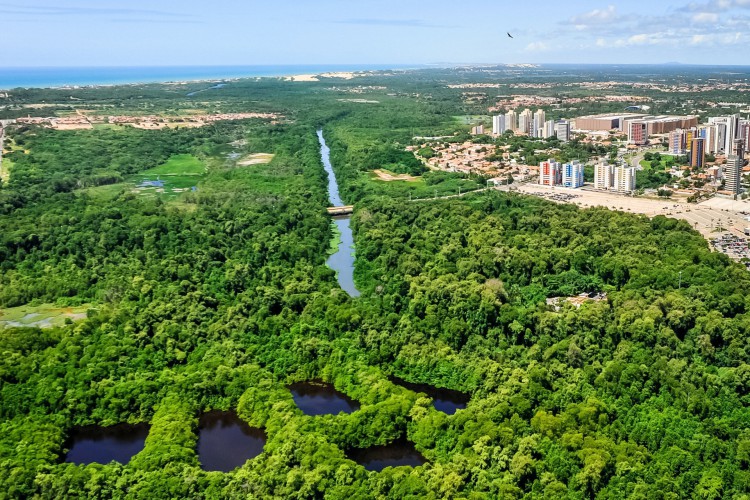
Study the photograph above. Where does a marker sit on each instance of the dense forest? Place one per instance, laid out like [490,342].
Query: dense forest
[220,297]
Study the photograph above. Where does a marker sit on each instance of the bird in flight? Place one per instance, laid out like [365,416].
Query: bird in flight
[509,35]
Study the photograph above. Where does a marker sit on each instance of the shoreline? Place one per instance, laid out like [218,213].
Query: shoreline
[222,74]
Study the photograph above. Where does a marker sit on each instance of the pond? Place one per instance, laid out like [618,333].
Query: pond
[95,444]
[319,398]
[226,442]
[445,400]
[397,453]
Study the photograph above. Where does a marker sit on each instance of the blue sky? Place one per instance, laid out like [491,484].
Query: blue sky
[188,32]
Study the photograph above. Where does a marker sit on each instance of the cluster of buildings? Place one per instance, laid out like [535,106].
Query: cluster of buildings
[620,178]
[727,135]
[531,124]
[464,157]
[637,126]
[718,135]
[553,173]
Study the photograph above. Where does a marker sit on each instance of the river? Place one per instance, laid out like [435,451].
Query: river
[343,260]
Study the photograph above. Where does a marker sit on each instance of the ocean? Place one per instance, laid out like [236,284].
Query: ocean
[40,77]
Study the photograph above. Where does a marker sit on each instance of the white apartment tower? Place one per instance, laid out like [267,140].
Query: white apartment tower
[511,120]
[562,130]
[549,129]
[538,123]
[604,175]
[525,121]
[624,179]
[498,124]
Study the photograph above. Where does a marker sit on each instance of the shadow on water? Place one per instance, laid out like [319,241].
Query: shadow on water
[445,400]
[397,453]
[343,260]
[319,398]
[226,442]
[95,444]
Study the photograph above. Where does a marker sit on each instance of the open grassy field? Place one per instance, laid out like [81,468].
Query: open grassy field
[5,168]
[181,165]
[42,316]
[178,175]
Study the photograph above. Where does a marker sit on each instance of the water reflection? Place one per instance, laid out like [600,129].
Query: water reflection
[226,442]
[397,453]
[445,400]
[343,260]
[319,398]
[95,444]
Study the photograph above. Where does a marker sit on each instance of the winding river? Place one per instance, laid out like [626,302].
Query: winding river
[343,260]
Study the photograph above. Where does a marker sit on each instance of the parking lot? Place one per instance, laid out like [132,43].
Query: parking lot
[713,218]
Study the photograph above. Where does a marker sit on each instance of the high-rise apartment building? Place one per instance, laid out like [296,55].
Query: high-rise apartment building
[738,148]
[710,134]
[562,130]
[616,178]
[549,129]
[511,120]
[550,173]
[677,142]
[572,174]
[624,179]
[732,171]
[538,123]
[498,124]
[637,132]
[697,152]
[525,121]
[733,131]
[604,175]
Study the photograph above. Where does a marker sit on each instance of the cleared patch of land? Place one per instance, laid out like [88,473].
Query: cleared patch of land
[385,175]
[42,316]
[181,173]
[179,165]
[255,159]
[711,217]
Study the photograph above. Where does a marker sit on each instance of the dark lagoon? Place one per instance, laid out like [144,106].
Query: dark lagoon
[397,453]
[102,445]
[320,398]
[445,400]
[226,442]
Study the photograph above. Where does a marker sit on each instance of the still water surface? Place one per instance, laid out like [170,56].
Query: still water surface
[95,444]
[377,458]
[225,441]
[445,400]
[319,398]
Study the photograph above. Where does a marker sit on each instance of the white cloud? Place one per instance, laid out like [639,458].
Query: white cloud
[596,17]
[706,17]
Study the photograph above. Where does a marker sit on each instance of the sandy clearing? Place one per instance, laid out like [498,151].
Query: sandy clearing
[384,175]
[256,159]
[711,217]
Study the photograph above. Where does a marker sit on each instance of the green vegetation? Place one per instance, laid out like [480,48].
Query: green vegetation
[645,394]
[178,165]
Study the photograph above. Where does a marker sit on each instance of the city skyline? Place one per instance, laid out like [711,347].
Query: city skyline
[137,33]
